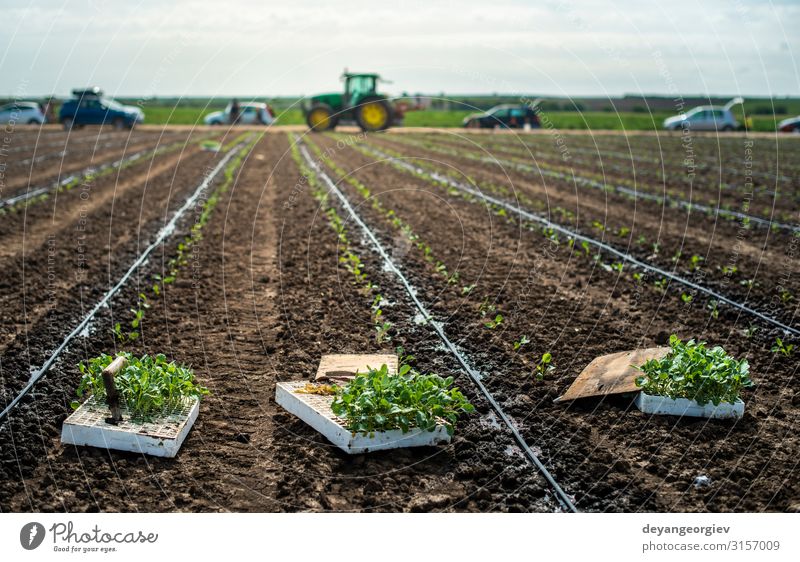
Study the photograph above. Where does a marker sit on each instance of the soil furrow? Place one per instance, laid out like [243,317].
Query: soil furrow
[615,318]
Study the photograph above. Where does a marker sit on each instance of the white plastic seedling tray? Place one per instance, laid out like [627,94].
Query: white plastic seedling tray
[315,410]
[161,436]
[650,404]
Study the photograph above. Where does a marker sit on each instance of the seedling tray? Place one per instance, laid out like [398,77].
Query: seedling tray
[160,436]
[650,404]
[315,410]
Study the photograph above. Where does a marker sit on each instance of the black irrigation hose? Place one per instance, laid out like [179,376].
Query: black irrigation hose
[91,170]
[636,194]
[662,199]
[80,175]
[596,243]
[561,496]
[162,235]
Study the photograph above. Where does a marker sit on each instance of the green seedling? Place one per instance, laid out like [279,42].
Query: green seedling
[492,324]
[545,366]
[118,332]
[148,385]
[786,296]
[618,267]
[520,342]
[694,262]
[713,306]
[377,401]
[785,349]
[466,290]
[382,332]
[623,231]
[486,307]
[585,246]
[686,298]
[692,370]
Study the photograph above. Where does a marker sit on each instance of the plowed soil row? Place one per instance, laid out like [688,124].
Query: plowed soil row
[58,259]
[607,453]
[267,297]
[42,173]
[766,257]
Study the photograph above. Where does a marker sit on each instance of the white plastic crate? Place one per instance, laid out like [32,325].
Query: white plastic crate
[315,410]
[161,436]
[650,404]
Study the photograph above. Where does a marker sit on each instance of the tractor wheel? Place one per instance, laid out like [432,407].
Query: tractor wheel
[320,117]
[373,114]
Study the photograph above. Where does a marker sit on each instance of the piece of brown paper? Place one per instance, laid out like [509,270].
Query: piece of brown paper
[344,367]
[611,374]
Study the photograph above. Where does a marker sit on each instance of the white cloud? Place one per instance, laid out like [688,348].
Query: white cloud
[576,47]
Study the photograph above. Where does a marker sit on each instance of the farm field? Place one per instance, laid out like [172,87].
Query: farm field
[156,114]
[248,264]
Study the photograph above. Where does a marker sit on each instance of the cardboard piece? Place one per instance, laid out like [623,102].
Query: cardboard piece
[611,374]
[343,367]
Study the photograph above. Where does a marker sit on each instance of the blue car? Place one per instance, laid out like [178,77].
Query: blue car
[90,107]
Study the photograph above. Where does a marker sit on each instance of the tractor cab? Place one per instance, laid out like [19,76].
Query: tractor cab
[358,86]
[360,103]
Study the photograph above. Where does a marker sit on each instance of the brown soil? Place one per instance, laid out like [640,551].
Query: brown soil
[758,253]
[265,296]
[79,156]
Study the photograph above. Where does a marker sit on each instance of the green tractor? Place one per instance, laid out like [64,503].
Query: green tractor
[360,102]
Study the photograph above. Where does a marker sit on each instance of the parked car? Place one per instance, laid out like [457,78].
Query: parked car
[249,114]
[791,125]
[706,118]
[22,112]
[91,107]
[506,116]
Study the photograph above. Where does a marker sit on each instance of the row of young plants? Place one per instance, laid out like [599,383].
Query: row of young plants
[709,154]
[623,186]
[439,267]
[376,401]
[96,173]
[691,370]
[490,317]
[154,286]
[347,256]
[670,172]
[424,168]
[693,263]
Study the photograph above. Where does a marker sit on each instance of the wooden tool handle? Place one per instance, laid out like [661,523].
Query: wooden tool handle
[112,396]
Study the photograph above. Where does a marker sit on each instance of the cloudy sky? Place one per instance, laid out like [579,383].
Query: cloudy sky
[273,48]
